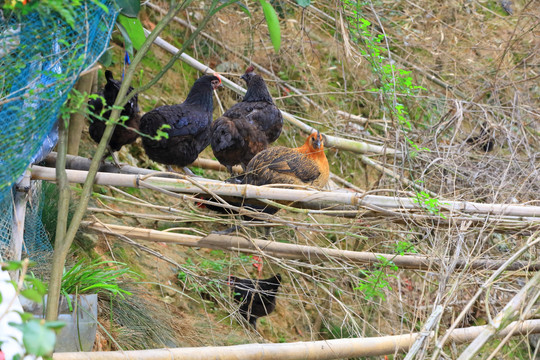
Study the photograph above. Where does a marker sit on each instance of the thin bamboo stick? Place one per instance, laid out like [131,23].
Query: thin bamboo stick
[294,251]
[431,322]
[62,242]
[533,241]
[374,202]
[331,141]
[310,350]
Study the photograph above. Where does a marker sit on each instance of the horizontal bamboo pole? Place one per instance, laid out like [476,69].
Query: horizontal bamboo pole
[294,251]
[323,207]
[309,350]
[373,202]
[330,141]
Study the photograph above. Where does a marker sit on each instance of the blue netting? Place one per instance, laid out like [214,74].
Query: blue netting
[40,59]
[37,245]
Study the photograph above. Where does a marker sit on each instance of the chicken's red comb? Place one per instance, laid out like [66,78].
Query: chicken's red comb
[217,75]
[250,69]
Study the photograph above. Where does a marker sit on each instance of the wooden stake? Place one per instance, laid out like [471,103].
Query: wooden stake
[76,121]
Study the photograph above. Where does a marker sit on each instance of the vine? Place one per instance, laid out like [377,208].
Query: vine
[395,83]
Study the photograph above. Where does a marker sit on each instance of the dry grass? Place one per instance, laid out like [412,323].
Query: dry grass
[488,59]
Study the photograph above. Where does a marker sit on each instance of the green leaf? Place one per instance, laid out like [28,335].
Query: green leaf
[32,294]
[134,30]
[303,3]
[106,58]
[129,8]
[11,265]
[55,325]
[37,338]
[273,24]
[243,7]
[25,317]
[102,6]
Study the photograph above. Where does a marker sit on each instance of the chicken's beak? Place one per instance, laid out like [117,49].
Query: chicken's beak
[317,141]
[218,84]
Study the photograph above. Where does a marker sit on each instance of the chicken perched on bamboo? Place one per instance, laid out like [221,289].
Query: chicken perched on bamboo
[305,165]
[189,122]
[247,127]
[257,298]
[123,134]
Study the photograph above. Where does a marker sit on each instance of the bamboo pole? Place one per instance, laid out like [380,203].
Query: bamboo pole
[76,121]
[20,199]
[329,140]
[309,350]
[293,251]
[327,208]
[373,202]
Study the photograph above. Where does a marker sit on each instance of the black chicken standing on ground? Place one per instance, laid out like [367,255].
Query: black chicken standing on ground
[257,298]
[122,134]
[247,127]
[190,126]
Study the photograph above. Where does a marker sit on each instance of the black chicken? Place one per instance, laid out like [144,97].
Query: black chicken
[190,125]
[122,135]
[257,298]
[484,141]
[247,127]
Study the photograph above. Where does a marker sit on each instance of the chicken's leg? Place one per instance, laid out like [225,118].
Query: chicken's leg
[187,171]
[114,157]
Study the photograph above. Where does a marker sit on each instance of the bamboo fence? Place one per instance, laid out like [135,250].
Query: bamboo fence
[293,251]
[312,350]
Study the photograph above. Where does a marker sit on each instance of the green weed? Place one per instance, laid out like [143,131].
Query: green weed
[377,280]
